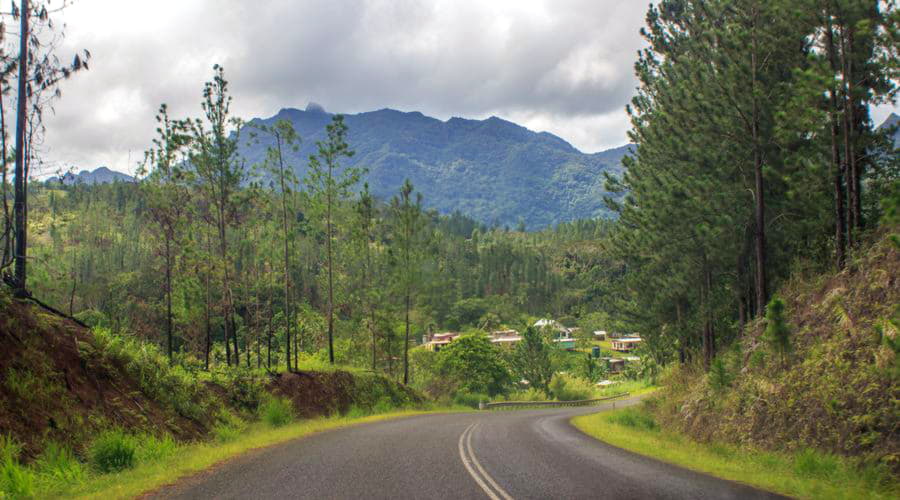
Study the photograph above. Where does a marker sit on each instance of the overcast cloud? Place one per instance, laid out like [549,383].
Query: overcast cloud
[564,66]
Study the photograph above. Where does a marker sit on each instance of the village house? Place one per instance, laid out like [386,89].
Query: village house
[501,338]
[439,340]
[505,338]
[626,344]
[615,365]
[563,337]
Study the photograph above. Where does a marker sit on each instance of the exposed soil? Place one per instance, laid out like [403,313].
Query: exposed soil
[58,384]
[53,389]
[315,393]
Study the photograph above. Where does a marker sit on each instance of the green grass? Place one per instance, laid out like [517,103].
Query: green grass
[806,474]
[632,387]
[276,412]
[182,461]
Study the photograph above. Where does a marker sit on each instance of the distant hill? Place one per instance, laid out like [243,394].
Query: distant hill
[101,175]
[892,121]
[492,170]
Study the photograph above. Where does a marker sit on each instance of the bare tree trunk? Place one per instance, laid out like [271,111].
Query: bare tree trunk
[21,192]
[330,273]
[853,218]
[208,300]
[840,221]
[287,269]
[7,256]
[760,207]
[74,282]
[169,298]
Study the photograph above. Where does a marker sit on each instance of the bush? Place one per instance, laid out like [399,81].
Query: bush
[719,377]
[151,448]
[113,451]
[15,480]
[383,405]
[565,387]
[471,400]
[58,463]
[276,411]
[635,418]
[531,394]
[228,427]
[356,412]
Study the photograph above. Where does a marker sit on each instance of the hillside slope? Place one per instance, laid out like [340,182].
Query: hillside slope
[64,383]
[492,170]
[840,388]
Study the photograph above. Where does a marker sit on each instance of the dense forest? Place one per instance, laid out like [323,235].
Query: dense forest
[756,158]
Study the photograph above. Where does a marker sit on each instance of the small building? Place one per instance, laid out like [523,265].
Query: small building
[626,344]
[505,338]
[439,340]
[563,337]
[615,365]
[548,323]
[599,334]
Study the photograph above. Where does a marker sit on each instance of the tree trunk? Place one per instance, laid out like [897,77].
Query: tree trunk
[74,282]
[169,298]
[760,206]
[287,270]
[7,256]
[330,272]
[840,221]
[406,343]
[21,193]
[208,300]
[850,167]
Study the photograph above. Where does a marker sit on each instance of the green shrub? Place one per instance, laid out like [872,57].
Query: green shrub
[151,448]
[471,400]
[356,412]
[811,463]
[565,387]
[635,418]
[778,333]
[16,481]
[228,427]
[383,405]
[719,376]
[113,451]
[276,411]
[58,463]
[531,394]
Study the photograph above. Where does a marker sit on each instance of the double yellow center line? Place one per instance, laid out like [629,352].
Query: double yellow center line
[481,477]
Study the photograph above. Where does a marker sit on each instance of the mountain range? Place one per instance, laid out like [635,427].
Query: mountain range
[101,175]
[492,170]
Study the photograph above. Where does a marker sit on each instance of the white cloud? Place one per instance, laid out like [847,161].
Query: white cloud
[564,66]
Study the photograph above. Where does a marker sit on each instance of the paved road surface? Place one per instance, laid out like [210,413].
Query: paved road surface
[500,455]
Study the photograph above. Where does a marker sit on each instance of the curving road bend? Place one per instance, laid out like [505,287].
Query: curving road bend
[496,455]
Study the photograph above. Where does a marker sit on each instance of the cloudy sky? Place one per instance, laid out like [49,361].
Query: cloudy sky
[564,66]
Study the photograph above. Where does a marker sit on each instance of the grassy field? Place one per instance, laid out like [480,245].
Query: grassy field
[806,474]
[186,460]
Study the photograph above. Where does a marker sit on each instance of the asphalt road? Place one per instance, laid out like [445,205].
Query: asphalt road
[498,455]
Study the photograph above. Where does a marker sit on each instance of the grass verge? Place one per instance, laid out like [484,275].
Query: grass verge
[190,459]
[805,474]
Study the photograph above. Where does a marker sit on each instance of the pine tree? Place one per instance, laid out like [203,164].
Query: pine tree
[329,185]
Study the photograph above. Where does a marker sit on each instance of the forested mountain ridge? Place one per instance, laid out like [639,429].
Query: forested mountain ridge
[492,170]
[101,175]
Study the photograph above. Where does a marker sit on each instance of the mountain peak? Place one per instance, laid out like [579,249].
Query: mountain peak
[314,107]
